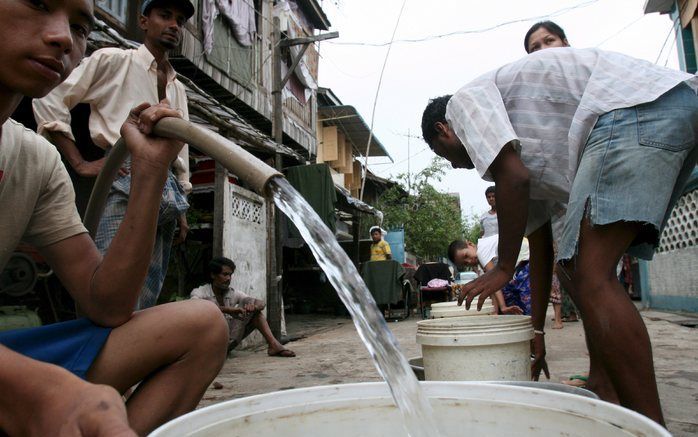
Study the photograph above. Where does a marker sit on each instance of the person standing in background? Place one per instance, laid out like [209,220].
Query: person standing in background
[548,35]
[112,81]
[488,220]
[545,35]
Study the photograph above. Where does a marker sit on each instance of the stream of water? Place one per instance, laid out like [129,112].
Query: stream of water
[370,324]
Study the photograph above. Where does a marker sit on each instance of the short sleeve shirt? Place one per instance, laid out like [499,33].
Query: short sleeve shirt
[487,248]
[37,201]
[380,250]
[546,105]
[489,224]
[231,299]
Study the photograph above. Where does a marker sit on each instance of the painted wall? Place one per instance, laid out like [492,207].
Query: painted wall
[674,280]
[672,274]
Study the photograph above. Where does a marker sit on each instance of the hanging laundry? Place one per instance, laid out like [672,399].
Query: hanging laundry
[239,14]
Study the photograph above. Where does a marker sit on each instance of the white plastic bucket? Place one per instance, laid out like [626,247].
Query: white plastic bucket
[451,309]
[417,365]
[367,410]
[476,348]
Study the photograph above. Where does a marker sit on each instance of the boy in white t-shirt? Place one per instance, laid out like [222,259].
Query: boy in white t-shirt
[514,297]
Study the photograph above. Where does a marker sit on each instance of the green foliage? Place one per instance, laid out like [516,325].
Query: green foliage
[431,219]
[471,228]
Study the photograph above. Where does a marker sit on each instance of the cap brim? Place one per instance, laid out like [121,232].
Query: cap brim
[186,5]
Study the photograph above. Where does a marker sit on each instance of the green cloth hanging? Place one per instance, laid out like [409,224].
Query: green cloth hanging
[314,182]
[384,280]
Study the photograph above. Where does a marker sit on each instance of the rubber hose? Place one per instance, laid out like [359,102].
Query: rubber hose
[230,155]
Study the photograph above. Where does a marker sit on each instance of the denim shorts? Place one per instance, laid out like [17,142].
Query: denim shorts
[633,169]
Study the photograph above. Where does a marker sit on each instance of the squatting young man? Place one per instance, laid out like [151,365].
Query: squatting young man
[65,379]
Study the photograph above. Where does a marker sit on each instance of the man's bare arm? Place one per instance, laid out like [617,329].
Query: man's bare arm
[68,405]
[541,265]
[512,191]
[230,310]
[70,152]
[106,289]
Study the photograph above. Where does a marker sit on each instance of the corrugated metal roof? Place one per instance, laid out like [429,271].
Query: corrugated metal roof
[313,11]
[350,122]
[348,200]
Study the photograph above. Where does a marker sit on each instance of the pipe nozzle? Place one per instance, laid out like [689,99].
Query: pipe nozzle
[230,155]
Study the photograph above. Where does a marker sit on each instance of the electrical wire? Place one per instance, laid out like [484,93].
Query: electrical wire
[336,67]
[672,29]
[384,170]
[622,30]
[466,32]
[671,48]
[661,50]
[375,100]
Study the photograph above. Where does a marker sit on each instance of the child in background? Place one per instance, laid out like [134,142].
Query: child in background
[515,297]
[380,249]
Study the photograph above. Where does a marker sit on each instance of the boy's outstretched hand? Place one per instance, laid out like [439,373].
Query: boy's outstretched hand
[146,149]
[484,286]
[68,406]
[97,410]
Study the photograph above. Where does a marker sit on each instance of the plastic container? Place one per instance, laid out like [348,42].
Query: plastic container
[465,277]
[546,385]
[367,410]
[417,365]
[476,348]
[451,309]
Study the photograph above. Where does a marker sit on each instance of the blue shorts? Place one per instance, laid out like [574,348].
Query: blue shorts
[73,345]
[633,168]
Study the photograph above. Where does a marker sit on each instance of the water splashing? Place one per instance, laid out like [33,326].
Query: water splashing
[370,324]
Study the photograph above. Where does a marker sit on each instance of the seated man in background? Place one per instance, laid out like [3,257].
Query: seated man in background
[242,312]
[515,297]
[380,249]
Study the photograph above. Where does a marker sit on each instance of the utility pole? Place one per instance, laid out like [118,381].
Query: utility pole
[275,248]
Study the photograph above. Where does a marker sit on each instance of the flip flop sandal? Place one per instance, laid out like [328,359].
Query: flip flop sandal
[576,381]
[284,353]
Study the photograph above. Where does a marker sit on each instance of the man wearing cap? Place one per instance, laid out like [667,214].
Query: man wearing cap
[112,81]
